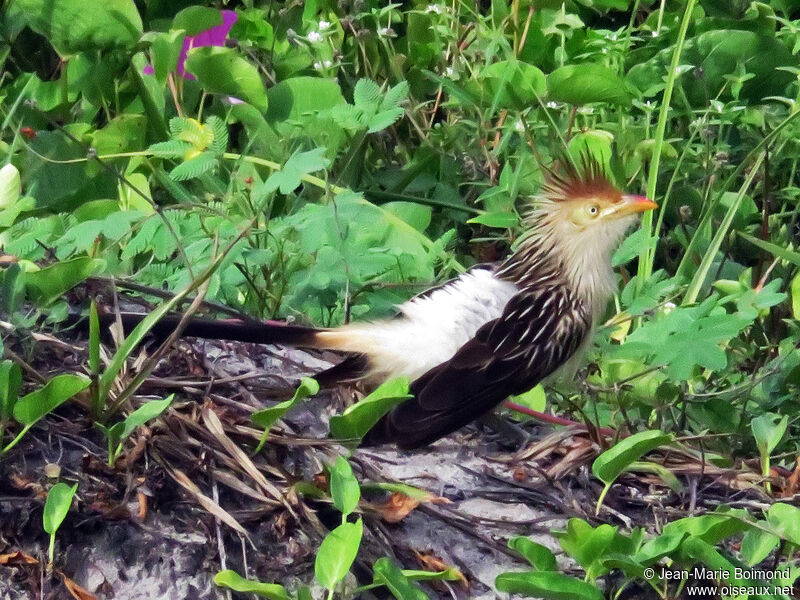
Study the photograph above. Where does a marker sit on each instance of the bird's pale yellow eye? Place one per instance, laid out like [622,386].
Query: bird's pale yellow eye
[592,210]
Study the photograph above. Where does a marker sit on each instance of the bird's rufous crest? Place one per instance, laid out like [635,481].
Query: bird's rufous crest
[587,179]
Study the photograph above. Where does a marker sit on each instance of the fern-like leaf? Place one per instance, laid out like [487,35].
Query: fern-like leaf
[220,143]
[384,119]
[175,189]
[170,149]
[395,96]
[367,94]
[194,168]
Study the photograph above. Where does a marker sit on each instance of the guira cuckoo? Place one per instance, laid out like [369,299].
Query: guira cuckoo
[496,330]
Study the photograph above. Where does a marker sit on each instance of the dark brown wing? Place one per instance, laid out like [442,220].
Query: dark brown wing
[539,330]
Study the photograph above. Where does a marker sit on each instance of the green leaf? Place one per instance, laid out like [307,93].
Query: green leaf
[56,506]
[146,412]
[232,580]
[289,177]
[512,84]
[632,246]
[795,290]
[337,553]
[757,545]
[165,50]
[540,557]
[499,220]
[32,407]
[366,94]
[388,574]
[657,548]
[774,249]
[10,384]
[344,486]
[224,71]
[547,584]
[383,119]
[785,521]
[194,167]
[47,284]
[94,339]
[768,430]
[124,133]
[395,96]
[75,25]
[267,417]
[170,149]
[9,187]
[586,83]
[666,475]
[535,399]
[711,528]
[295,98]
[359,418]
[614,461]
[220,143]
[196,19]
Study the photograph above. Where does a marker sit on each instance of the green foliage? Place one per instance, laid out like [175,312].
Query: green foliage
[338,168]
[345,490]
[56,507]
[337,553]
[611,463]
[267,417]
[120,431]
[359,418]
[233,581]
[686,543]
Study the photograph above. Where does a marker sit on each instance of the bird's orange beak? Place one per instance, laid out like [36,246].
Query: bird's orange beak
[634,204]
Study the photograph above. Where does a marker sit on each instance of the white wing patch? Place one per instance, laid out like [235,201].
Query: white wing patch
[431,328]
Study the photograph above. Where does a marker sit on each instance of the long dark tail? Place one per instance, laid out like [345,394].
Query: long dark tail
[235,330]
[352,367]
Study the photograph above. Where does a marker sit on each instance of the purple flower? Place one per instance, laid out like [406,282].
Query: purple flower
[215,36]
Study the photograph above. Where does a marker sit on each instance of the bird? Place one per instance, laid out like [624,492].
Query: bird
[496,330]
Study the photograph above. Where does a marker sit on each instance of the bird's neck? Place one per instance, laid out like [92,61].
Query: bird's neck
[548,256]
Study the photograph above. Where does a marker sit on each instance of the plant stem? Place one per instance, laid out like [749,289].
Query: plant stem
[647,255]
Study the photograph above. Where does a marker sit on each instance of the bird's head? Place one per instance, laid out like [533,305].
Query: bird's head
[582,204]
[579,220]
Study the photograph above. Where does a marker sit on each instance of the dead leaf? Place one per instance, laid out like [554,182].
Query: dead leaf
[207,503]
[214,425]
[77,591]
[18,558]
[396,507]
[792,481]
[431,562]
[142,500]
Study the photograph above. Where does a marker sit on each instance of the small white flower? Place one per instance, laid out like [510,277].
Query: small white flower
[552,104]
[654,33]
[318,65]
[323,25]
[448,71]
[648,104]
[668,307]
[613,37]
[434,8]
[604,50]
[383,31]
[328,64]
[314,37]
[519,126]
